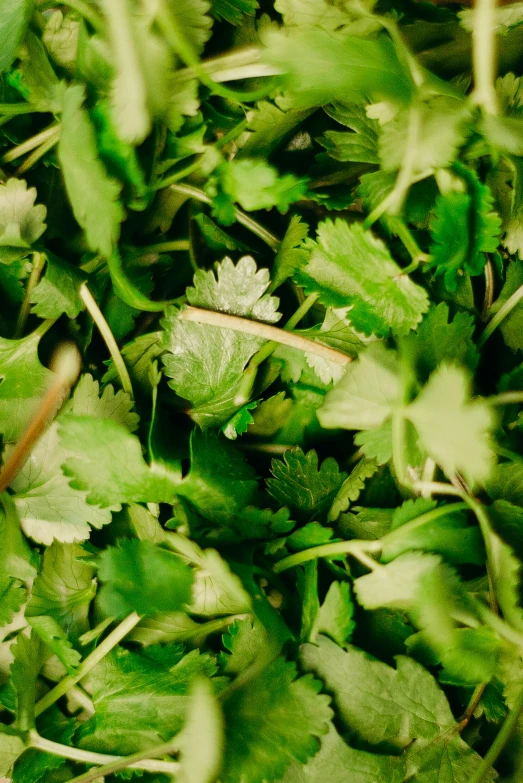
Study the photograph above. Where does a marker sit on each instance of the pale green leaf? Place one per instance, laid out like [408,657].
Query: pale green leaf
[60,36]
[58,290]
[93,194]
[335,616]
[21,221]
[201,761]
[14,18]
[453,428]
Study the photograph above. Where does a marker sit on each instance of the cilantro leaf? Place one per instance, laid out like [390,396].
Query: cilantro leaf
[511,325]
[301,485]
[23,382]
[233,11]
[349,266]
[359,146]
[453,429]
[58,290]
[335,616]
[290,256]
[14,18]
[60,37]
[269,127]
[21,221]
[206,365]
[138,576]
[364,397]
[375,702]
[254,184]
[258,717]
[351,488]
[459,215]
[11,748]
[204,719]
[93,194]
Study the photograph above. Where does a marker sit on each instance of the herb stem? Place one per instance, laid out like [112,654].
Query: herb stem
[505,309]
[484,55]
[173,246]
[355,547]
[90,757]
[266,331]
[38,153]
[16,109]
[123,762]
[103,649]
[506,398]
[29,144]
[245,220]
[501,739]
[108,337]
[25,309]
[398,227]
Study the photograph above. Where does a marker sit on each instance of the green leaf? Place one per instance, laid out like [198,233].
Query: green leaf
[105,460]
[11,748]
[60,37]
[58,290]
[128,89]
[139,355]
[443,122]
[274,711]
[233,11]
[54,636]
[93,194]
[453,428]
[14,18]
[216,589]
[64,588]
[320,14]
[48,507]
[23,383]
[397,584]
[35,78]
[126,684]
[301,485]
[334,618]
[138,576]
[366,394]
[361,145]
[269,127]
[506,483]
[87,401]
[290,256]
[512,324]
[246,642]
[192,17]
[201,763]
[337,762]
[321,68]
[29,656]
[375,702]
[206,364]
[349,266]
[219,483]
[449,760]
[351,488]
[253,184]
[439,340]
[460,215]
[21,221]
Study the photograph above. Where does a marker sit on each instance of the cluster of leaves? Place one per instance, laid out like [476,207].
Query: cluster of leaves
[272,531]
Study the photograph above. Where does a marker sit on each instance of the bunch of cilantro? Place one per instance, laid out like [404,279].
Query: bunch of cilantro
[261,391]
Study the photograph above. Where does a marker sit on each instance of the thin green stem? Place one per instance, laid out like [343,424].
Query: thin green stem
[82,8]
[505,398]
[356,548]
[398,227]
[38,153]
[103,649]
[249,376]
[30,144]
[399,424]
[263,330]
[436,488]
[484,55]
[108,337]
[500,626]
[505,309]
[192,168]
[224,63]
[25,308]
[500,741]
[245,220]
[16,109]
[98,759]
[129,761]
[174,246]
[44,327]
